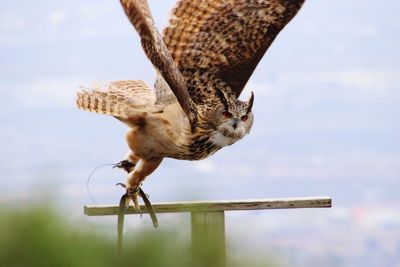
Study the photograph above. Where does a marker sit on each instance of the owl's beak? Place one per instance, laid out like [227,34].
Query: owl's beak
[235,123]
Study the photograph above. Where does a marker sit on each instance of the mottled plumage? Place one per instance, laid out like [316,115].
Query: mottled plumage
[225,38]
[203,61]
[119,98]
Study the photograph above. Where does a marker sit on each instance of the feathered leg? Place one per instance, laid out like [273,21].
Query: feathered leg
[138,169]
[143,169]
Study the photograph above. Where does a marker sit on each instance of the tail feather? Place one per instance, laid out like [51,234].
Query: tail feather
[120,98]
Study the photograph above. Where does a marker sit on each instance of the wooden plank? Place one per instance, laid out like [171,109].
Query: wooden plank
[207,206]
[208,239]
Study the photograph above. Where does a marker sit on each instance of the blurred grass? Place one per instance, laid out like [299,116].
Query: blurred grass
[40,237]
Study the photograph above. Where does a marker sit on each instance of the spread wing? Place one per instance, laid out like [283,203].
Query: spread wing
[121,99]
[139,14]
[226,38]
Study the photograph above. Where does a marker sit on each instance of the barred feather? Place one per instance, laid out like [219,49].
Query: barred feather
[225,38]
[120,99]
[139,14]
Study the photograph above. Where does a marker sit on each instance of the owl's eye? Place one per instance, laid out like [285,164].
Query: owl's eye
[244,117]
[227,114]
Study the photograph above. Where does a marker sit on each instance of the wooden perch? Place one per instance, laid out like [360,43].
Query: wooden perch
[208,220]
[210,206]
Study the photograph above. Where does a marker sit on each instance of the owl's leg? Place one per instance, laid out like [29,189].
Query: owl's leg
[143,169]
[129,163]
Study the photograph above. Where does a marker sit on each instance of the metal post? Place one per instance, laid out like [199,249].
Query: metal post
[208,239]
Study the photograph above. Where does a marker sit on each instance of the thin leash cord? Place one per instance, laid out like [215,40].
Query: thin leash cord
[90,176]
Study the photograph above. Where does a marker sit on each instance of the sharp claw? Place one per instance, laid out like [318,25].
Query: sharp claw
[124,164]
[119,165]
[133,193]
[121,184]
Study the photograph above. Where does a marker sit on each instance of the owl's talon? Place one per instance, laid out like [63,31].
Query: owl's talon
[133,194]
[125,165]
[121,184]
[132,191]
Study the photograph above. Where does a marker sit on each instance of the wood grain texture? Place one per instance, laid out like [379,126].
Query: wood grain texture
[208,239]
[208,206]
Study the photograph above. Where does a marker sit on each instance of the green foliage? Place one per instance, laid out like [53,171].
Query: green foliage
[39,237]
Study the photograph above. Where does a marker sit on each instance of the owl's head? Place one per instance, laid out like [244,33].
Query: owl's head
[233,118]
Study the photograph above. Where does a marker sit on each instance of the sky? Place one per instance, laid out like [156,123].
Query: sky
[326,122]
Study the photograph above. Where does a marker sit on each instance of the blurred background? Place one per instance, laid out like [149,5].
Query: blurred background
[326,123]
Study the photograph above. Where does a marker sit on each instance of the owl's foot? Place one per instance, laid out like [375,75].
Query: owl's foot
[132,193]
[125,165]
[123,204]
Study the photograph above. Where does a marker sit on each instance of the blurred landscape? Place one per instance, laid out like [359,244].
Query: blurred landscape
[326,123]
[41,237]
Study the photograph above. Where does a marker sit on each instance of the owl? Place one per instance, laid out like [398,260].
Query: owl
[203,59]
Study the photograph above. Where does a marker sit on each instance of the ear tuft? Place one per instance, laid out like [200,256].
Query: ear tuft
[250,102]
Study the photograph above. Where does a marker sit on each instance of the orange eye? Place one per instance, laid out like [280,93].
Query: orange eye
[227,114]
[244,118]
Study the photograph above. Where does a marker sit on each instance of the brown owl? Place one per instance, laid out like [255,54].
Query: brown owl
[203,60]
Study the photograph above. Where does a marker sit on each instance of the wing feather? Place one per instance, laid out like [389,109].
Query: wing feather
[139,14]
[226,37]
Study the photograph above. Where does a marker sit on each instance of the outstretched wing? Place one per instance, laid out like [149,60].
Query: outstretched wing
[226,38]
[121,99]
[139,14]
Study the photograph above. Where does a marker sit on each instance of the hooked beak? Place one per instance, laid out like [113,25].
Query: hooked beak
[235,123]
